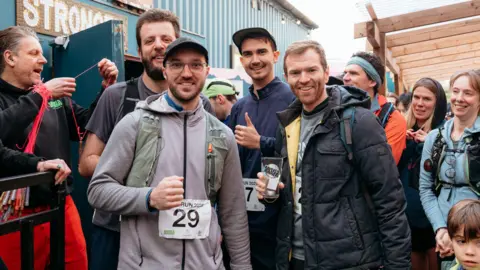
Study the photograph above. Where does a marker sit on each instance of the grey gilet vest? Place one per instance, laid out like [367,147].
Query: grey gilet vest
[149,137]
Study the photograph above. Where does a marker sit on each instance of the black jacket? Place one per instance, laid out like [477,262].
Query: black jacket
[352,211]
[57,128]
[14,162]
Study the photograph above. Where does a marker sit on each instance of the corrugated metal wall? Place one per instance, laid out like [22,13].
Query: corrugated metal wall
[215,21]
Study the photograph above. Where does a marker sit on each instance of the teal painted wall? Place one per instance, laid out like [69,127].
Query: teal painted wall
[7,13]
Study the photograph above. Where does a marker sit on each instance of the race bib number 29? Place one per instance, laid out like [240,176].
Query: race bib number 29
[191,220]
[251,196]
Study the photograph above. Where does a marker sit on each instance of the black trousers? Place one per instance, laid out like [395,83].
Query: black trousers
[297,264]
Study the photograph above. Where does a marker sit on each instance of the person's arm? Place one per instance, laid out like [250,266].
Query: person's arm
[427,184]
[396,134]
[100,127]
[107,190]
[232,210]
[22,113]
[374,159]
[267,146]
[15,162]
[90,155]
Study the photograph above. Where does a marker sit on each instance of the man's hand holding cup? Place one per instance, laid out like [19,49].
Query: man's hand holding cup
[261,185]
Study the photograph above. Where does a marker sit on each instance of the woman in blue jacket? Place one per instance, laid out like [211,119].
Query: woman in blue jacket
[426,112]
[450,160]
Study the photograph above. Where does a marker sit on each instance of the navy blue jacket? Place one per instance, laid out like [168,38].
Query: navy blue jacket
[273,98]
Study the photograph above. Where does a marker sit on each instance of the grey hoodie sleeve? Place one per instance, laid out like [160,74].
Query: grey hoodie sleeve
[232,209]
[106,190]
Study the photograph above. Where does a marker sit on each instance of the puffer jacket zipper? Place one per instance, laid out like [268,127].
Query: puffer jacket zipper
[184,178]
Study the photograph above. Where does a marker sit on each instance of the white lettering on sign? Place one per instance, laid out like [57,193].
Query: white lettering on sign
[86,18]
[74,19]
[57,17]
[60,18]
[30,14]
[48,4]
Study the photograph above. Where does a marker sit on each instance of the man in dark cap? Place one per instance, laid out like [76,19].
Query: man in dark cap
[254,120]
[165,196]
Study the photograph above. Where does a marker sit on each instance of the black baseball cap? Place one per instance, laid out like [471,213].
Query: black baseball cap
[181,43]
[255,32]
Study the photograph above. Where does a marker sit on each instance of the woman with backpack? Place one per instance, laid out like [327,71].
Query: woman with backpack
[450,165]
[427,112]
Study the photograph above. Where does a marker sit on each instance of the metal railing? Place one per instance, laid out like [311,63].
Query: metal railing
[55,215]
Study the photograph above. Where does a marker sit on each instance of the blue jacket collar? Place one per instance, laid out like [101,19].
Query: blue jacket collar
[172,103]
[265,91]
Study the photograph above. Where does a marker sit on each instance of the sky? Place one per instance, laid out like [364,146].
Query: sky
[335,19]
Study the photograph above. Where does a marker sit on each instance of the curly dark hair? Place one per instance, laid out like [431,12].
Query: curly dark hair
[376,62]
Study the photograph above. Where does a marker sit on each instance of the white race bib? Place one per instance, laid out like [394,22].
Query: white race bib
[191,220]
[251,196]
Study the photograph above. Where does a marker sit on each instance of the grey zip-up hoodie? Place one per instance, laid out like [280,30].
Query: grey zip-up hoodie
[141,247]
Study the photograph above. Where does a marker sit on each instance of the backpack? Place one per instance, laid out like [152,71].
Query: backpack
[348,119]
[130,97]
[149,136]
[386,111]
[472,170]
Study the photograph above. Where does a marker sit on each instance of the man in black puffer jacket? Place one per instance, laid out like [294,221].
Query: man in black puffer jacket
[338,211]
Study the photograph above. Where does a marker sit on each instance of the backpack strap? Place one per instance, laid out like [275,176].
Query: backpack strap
[471,170]
[385,113]
[131,97]
[149,136]
[437,156]
[346,126]
[215,154]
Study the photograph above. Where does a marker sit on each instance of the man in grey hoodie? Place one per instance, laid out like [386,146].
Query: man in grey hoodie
[170,223]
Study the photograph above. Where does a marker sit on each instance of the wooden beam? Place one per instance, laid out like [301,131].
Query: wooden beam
[443,71]
[436,77]
[442,74]
[368,46]
[371,11]
[447,30]
[454,65]
[439,60]
[406,85]
[430,16]
[396,84]
[391,63]
[373,35]
[438,53]
[360,30]
[436,44]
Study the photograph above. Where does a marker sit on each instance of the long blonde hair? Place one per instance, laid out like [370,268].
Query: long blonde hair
[433,86]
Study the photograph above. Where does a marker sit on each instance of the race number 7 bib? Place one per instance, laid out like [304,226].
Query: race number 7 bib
[251,196]
[190,220]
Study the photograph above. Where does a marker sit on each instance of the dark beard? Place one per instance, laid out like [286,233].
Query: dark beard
[154,73]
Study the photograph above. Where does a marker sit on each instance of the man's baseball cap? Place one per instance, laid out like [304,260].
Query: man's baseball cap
[182,43]
[255,32]
[220,86]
